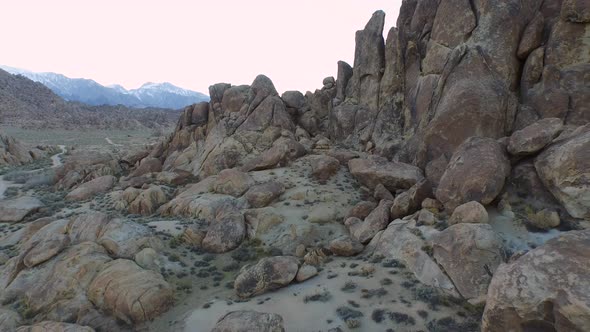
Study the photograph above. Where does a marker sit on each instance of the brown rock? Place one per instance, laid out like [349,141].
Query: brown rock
[545,289]
[129,292]
[306,272]
[373,223]
[382,193]
[476,172]
[345,246]
[361,210]
[324,167]
[393,175]
[470,212]
[147,165]
[91,188]
[15,210]
[264,194]
[409,201]
[268,274]
[232,182]
[469,254]
[563,168]
[544,219]
[534,137]
[225,233]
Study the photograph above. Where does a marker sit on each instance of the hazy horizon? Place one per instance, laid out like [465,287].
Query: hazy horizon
[188,44]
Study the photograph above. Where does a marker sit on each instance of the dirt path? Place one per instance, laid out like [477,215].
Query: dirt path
[111,142]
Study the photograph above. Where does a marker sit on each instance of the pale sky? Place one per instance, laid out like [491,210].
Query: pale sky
[192,44]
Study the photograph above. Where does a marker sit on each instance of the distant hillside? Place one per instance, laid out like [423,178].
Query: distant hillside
[161,95]
[29,104]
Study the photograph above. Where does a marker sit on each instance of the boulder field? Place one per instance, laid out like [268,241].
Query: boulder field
[441,182]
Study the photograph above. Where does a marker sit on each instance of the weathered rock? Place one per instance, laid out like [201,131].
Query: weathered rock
[373,223]
[477,172]
[261,221]
[147,165]
[262,195]
[324,167]
[563,168]
[534,137]
[401,241]
[426,217]
[409,201]
[532,36]
[12,152]
[49,326]
[225,233]
[470,212]
[345,246]
[91,188]
[306,272]
[9,320]
[382,193]
[232,182]
[15,210]
[148,259]
[268,274]
[393,175]
[362,209]
[123,239]
[544,219]
[246,321]
[469,254]
[545,289]
[148,201]
[129,292]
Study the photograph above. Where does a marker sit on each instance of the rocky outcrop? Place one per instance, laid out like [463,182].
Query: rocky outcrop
[267,275]
[563,168]
[376,170]
[376,221]
[12,152]
[129,292]
[263,194]
[546,289]
[243,321]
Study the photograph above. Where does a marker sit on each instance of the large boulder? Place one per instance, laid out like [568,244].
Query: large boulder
[232,182]
[129,292]
[147,165]
[91,188]
[225,233]
[470,212]
[268,274]
[264,194]
[544,290]
[148,201]
[409,201]
[9,320]
[324,167]
[469,254]
[534,137]
[377,170]
[563,168]
[401,240]
[376,221]
[477,172]
[15,210]
[345,246]
[247,321]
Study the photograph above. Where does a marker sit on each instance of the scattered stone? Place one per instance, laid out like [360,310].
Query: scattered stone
[306,272]
[268,274]
[471,212]
[544,219]
[382,193]
[345,246]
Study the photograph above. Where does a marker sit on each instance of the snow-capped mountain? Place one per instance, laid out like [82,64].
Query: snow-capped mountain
[162,95]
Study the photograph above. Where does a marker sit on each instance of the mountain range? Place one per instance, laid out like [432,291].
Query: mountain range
[160,95]
[28,104]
